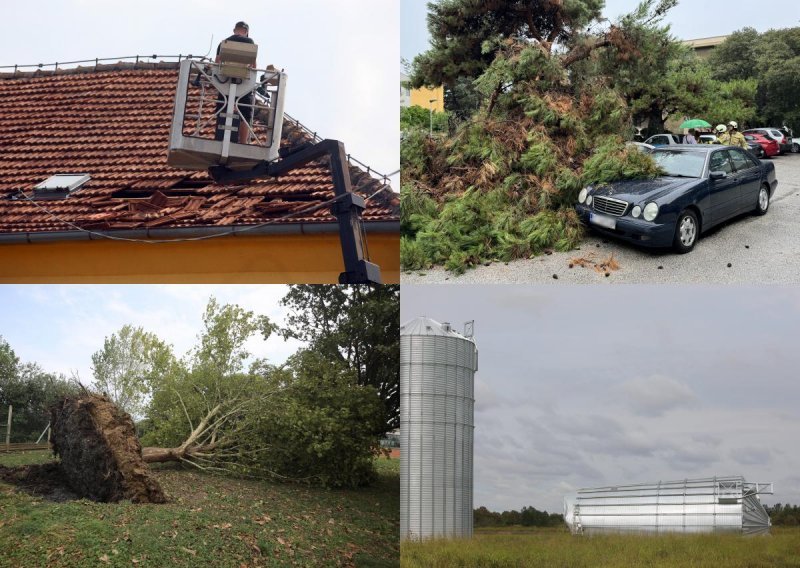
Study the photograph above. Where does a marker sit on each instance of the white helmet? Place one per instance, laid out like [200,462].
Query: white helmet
[721,128]
[733,124]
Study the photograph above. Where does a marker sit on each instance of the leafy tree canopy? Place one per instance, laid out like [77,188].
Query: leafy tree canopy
[772,61]
[462,33]
[355,325]
[129,364]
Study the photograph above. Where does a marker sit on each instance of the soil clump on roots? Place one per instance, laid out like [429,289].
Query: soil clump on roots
[101,457]
[40,480]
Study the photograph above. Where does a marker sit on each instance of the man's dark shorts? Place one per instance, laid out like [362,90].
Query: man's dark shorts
[244,108]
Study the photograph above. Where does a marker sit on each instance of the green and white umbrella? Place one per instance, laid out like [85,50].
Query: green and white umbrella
[695,123]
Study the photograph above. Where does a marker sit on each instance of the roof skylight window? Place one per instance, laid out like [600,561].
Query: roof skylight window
[63,182]
[59,186]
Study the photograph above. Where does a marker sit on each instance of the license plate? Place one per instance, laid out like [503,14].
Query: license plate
[603,221]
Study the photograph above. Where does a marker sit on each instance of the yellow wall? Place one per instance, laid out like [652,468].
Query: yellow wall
[423,95]
[272,259]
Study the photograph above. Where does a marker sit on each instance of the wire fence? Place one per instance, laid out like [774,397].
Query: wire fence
[19,429]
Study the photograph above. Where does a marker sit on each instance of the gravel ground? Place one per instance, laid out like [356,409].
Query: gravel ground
[747,249]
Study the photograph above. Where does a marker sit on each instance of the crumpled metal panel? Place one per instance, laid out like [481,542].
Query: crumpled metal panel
[437,369]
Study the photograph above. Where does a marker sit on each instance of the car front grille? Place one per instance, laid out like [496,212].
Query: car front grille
[615,207]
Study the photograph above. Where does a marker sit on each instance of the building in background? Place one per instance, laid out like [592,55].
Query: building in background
[705,45]
[105,130]
[405,91]
[424,97]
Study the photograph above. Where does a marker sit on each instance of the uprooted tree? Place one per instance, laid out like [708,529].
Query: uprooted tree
[559,87]
[311,420]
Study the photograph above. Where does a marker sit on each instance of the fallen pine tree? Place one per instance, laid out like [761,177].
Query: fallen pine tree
[503,186]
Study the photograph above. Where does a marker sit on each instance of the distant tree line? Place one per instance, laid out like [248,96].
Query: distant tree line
[527,517]
[784,515]
[30,390]
[771,61]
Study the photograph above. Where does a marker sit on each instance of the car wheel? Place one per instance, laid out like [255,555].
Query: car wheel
[687,229]
[795,148]
[763,200]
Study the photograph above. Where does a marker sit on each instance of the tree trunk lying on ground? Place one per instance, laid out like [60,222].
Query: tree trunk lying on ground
[101,457]
[199,444]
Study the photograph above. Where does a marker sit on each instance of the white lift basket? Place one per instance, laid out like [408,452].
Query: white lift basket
[212,101]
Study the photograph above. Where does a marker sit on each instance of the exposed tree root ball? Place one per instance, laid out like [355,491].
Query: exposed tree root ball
[101,457]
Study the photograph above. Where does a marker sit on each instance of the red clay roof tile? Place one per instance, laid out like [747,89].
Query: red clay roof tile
[113,123]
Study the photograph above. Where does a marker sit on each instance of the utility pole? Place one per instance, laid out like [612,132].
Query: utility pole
[431,109]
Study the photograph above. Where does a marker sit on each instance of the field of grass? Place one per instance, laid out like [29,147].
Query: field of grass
[209,521]
[557,548]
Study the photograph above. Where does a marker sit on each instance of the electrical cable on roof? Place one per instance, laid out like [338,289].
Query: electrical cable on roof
[311,209]
[186,239]
[384,187]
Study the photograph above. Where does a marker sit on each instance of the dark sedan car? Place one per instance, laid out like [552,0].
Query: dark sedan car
[702,186]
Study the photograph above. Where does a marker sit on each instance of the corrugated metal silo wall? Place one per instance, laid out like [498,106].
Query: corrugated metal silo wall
[436,435]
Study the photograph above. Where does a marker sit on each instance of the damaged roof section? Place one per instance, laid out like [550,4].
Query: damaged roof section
[113,122]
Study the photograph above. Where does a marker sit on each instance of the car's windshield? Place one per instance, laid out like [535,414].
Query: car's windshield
[683,164]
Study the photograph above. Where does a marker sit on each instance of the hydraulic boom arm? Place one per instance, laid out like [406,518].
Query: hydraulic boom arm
[347,208]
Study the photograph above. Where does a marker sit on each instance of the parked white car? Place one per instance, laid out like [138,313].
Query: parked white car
[665,139]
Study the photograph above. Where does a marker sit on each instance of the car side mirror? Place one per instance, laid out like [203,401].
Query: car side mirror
[718,175]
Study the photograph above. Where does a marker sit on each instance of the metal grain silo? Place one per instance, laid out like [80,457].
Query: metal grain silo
[437,370]
[713,504]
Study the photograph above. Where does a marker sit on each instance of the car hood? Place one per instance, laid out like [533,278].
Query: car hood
[644,189]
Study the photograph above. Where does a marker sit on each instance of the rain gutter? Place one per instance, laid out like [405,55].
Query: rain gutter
[194,232]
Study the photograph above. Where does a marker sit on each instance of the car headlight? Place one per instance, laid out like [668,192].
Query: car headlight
[588,200]
[636,212]
[582,195]
[650,211]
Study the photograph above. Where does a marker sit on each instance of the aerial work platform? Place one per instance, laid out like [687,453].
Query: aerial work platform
[228,118]
[213,101]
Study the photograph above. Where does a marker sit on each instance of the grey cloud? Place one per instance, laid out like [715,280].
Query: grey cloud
[656,394]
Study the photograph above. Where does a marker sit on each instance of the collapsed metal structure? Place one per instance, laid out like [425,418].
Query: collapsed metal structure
[437,371]
[712,504]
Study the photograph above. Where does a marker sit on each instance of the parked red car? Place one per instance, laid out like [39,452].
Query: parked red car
[768,145]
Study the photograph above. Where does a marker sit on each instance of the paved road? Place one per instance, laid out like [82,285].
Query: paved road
[758,249]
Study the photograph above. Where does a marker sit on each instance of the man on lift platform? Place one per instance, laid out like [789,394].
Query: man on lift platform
[241,33]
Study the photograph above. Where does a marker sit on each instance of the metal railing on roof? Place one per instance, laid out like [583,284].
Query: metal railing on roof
[316,138]
[136,59]
[97,60]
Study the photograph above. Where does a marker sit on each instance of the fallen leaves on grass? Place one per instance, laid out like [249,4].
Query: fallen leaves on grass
[223,526]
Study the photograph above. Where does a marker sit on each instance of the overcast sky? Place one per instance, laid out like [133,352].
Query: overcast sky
[691,19]
[590,386]
[60,327]
[341,57]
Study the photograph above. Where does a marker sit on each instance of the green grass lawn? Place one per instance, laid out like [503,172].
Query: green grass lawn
[210,521]
[557,548]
